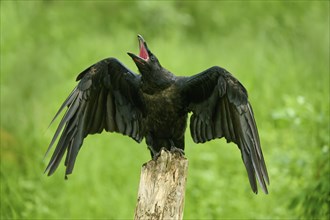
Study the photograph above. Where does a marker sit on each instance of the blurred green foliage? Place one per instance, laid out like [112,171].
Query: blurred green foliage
[278,49]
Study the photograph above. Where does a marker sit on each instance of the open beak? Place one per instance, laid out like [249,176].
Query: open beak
[143,56]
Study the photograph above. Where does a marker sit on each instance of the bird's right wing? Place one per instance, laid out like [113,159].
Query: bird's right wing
[106,97]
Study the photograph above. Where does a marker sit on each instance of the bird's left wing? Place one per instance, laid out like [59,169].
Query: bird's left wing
[220,108]
[106,98]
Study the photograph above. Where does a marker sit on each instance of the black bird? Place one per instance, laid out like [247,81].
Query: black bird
[155,105]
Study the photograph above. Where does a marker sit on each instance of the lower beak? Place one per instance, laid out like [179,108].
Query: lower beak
[136,59]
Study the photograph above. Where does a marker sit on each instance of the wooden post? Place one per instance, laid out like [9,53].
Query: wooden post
[162,188]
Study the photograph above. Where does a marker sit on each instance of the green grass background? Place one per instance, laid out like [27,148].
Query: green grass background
[278,49]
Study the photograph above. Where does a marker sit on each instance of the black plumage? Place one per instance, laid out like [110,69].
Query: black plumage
[154,105]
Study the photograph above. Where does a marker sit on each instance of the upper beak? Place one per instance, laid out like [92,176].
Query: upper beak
[140,38]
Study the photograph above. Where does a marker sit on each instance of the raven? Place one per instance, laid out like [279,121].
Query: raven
[154,105]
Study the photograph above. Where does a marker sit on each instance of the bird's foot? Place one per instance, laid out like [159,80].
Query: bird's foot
[157,154]
[176,150]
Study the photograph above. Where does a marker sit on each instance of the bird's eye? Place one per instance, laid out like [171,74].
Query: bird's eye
[152,58]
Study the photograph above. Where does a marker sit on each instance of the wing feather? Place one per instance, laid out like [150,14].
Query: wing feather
[218,126]
[68,114]
[66,103]
[110,112]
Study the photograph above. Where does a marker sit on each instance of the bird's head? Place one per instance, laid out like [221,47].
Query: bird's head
[145,61]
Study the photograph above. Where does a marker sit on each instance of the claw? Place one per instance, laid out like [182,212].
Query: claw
[157,154]
[176,150]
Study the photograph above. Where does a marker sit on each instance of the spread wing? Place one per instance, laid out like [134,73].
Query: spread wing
[220,108]
[106,97]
